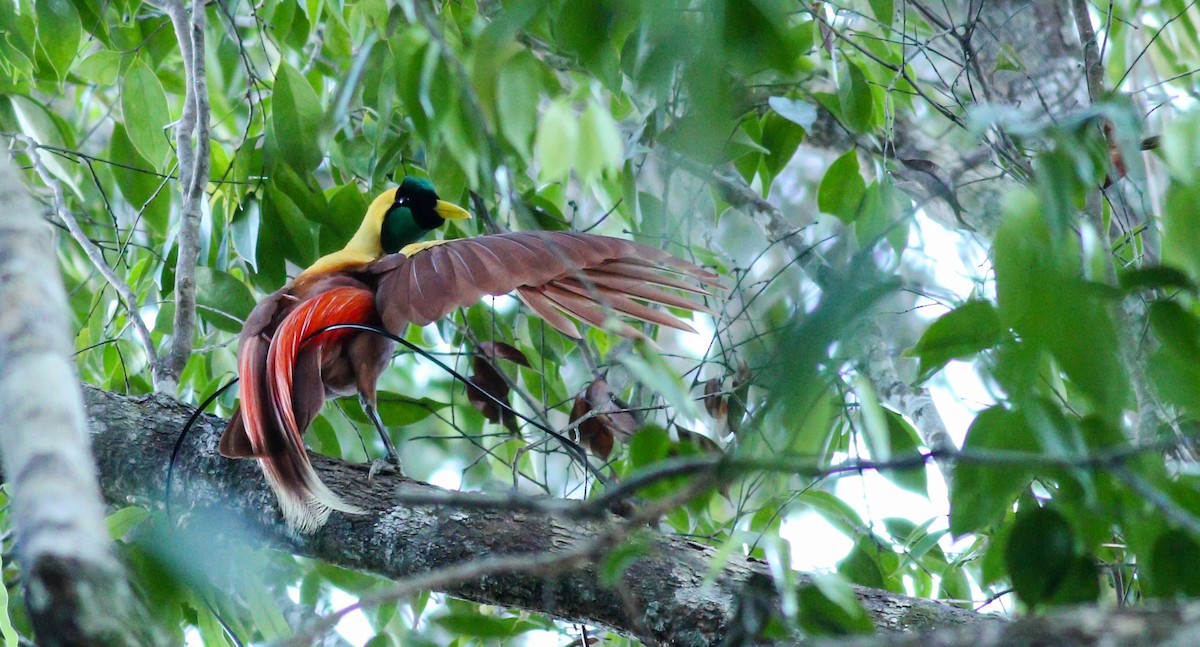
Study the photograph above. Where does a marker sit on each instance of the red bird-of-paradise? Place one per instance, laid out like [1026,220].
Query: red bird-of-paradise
[385,278]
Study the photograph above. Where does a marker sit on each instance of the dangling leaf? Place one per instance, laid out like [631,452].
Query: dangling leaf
[608,419]
[487,381]
[144,104]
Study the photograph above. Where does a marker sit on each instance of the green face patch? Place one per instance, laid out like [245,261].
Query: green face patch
[400,228]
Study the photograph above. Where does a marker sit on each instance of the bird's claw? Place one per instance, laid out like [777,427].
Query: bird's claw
[384,466]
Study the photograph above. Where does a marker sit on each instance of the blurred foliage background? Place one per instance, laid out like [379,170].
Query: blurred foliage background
[958,243]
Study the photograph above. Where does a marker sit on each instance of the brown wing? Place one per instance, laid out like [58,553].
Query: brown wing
[554,273]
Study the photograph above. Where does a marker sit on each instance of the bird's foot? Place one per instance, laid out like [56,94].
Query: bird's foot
[384,466]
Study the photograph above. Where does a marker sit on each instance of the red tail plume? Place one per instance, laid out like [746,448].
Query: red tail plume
[304,499]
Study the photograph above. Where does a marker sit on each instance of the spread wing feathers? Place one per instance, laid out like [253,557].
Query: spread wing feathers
[296,393]
[554,273]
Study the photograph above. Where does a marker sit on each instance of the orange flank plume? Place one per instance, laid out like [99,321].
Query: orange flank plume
[306,501]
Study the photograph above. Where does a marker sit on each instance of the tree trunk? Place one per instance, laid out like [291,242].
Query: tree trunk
[75,588]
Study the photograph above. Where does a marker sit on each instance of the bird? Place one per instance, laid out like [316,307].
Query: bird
[387,276]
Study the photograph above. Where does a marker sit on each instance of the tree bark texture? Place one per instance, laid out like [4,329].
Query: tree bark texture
[75,588]
[1163,624]
[664,600]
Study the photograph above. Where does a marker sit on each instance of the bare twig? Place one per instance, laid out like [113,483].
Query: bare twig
[92,251]
[912,401]
[193,176]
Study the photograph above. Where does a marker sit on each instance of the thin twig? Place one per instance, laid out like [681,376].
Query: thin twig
[92,251]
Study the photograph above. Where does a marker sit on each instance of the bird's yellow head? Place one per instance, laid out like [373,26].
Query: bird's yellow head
[397,217]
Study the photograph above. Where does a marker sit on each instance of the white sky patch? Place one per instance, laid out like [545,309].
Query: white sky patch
[816,545]
[449,476]
[959,394]
[957,265]
[542,638]
[354,626]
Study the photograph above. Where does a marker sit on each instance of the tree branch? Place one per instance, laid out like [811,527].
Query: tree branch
[1162,623]
[76,589]
[193,179]
[134,438]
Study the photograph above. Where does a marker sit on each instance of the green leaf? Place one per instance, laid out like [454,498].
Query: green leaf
[648,446]
[883,215]
[619,559]
[101,67]
[829,606]
[34,120]
[1081,584]
[282,209]
[781,137]
[138,181]
[517,90]
[123,520]
[1040,553]
[835,511]
[1176,328]
[855,98]
[883,11]
[875,425]
[861,566]
[1156,277]
[982,493]
[222,300]
[1039,286]
[395,409]
[267,617]
[1009,59]
[842,189]
[144,104]
[17,43]
[347,206]
[59,30]
[649,368]
[558,139]
[801,113]
[324,437]
[296,119]
[1182,157]
[601,148]
[477,625]
[1177,378]
[11,637]
[1181,227]
[905,443]
[1175,565]
[244,230]
[962,332]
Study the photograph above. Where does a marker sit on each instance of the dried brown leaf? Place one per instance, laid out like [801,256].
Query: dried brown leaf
[501,350]
[486,380]
[714,400]
[609,419]
[700,441]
